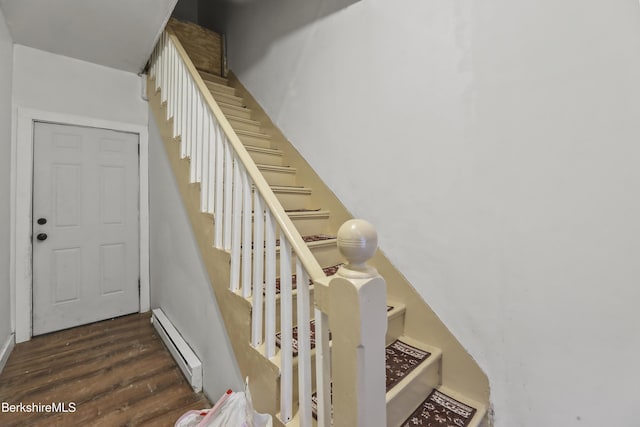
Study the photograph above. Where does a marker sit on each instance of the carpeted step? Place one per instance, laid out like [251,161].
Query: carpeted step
[413,370]
[440,409]
[278,175]
[312,335]
[406,362]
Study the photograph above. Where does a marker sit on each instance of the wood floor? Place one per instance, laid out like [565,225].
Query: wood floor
[116,372]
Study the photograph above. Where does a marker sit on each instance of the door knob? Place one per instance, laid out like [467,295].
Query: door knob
[42,236]
[42,221]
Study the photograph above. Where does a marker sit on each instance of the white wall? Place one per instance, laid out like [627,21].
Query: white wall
[6,68]
[55,83]
[179,282]
[495,145]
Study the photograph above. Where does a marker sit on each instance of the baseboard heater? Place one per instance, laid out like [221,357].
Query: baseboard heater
[186,359]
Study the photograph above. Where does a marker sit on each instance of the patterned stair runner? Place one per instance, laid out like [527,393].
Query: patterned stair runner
[401,359]
[440,410]
[329,271]
[312,330]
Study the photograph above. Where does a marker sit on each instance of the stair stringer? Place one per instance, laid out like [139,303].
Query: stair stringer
[235,310]
[460,371]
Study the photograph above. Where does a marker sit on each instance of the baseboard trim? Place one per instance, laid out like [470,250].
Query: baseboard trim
[6,350]
[184,356]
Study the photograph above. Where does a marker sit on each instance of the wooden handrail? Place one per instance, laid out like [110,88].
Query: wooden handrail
[287,228]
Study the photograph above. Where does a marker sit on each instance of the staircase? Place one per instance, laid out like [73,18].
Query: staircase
[267,288]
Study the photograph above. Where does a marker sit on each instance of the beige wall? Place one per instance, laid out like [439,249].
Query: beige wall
[179,282]
[495,146]
[6,68]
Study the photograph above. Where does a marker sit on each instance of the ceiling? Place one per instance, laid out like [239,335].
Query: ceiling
[114,33]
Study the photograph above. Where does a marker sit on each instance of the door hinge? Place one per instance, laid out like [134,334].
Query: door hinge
[138,285]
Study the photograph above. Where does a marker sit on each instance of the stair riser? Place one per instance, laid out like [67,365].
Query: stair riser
[228,99]
[279,178]
[294,200]
[326,256]
[240,125]
[308,226]
[266,158]
[409,397]
[236,112]
[213,78]
[395,328]
[255,141]
[215,87]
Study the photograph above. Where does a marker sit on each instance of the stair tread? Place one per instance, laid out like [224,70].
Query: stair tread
[273,168]
[402,358]
[290,189]
[273,151]
[222,88]
[441,409]
[212,77]
[329,271]
[245,120]
[254,134]
[232,107]
[312,335]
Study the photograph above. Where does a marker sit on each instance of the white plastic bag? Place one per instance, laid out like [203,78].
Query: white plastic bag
[233,409]
[191,418]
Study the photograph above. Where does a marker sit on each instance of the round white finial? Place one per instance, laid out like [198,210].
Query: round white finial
[357,242]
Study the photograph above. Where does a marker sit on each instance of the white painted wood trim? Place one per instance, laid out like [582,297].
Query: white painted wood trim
[5,351]
[21,194]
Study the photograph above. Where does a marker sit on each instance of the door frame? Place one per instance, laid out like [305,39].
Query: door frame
[21,264]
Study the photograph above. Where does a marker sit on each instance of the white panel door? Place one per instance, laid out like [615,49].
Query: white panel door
[85,226]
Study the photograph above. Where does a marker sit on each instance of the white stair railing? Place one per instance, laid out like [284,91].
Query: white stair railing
[248,218]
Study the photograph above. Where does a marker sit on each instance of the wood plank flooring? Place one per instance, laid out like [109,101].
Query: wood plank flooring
[116,372]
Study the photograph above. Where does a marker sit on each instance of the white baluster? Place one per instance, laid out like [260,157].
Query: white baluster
[304,345]
[193,153]
[170,58]
[211,166]
[236,232]
[186,142]
[174,97]
[286,326]
[199,138]
[323,369]
[206,161]
[184,134]
[159,64]
[258,269]
[178,119]
[165,62]
[218,213]
[228,186]
[246,234]
[270,284]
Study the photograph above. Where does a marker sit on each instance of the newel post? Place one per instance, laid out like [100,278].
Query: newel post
[358,323]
